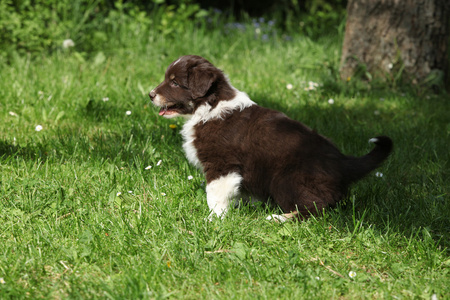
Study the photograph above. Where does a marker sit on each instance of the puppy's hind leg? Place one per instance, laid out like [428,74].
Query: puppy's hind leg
[220,192]
[300,200]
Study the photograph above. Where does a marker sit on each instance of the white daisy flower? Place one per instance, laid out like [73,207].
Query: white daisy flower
[163,194]
[352,274]
[105,99]
[2,281]
[128,112]
[289,86]
[159,163]
[190,177]
[312,84]
[11,113]
[38,128]
[148,168]
[68,43]
[331,101]
[118,194]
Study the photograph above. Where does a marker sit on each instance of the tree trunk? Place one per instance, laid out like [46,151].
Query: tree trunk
[388,38]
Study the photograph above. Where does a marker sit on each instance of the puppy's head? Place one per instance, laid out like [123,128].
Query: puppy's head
[189,82]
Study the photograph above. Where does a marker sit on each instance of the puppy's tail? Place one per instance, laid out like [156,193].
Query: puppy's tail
[358,167]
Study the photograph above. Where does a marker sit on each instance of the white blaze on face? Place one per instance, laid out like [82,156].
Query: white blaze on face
[176,62]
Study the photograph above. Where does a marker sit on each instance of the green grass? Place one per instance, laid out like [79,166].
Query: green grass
[64,232]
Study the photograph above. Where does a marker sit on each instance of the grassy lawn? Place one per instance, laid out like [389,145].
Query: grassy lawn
[82,214]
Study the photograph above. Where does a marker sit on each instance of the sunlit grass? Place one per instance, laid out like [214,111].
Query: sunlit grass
[83,216]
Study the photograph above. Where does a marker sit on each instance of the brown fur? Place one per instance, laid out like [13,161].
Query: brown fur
[277,157]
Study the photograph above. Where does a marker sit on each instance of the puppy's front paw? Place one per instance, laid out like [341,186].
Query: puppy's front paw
[213,216]
[277,218]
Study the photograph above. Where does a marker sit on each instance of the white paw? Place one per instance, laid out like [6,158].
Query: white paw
[214,215]
[277,218]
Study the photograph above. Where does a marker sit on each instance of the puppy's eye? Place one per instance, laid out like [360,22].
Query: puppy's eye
[174,83]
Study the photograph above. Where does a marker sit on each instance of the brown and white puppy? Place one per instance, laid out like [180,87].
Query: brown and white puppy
[243,147]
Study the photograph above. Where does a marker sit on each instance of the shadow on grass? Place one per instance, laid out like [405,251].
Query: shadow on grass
[126,148]
[9,151]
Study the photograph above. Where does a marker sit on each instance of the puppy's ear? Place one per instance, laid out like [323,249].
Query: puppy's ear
[201,79]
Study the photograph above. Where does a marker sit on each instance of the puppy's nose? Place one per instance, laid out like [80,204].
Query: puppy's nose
[152,95]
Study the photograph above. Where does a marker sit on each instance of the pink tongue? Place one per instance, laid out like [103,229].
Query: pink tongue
[162,111]
[165,111]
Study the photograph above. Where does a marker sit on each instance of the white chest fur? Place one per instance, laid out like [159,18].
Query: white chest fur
[188,134]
